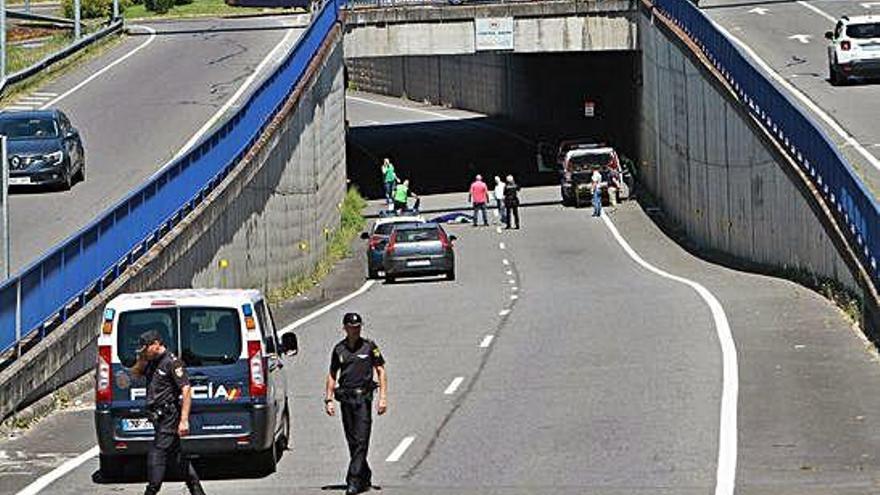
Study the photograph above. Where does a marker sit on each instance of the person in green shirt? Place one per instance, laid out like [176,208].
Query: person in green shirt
[401,195]
[389,178]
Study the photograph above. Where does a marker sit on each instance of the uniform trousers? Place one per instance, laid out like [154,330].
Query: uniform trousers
[164,452]
[357,421]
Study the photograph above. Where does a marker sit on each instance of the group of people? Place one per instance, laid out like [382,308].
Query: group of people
[506,197]
[397,192]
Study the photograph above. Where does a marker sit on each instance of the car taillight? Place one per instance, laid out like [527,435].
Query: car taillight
[844,45]
[444,240]
[103,390]
[390,247]
[257,370]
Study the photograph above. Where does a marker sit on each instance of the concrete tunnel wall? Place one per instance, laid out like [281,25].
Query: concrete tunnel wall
[286,193]
[716,176]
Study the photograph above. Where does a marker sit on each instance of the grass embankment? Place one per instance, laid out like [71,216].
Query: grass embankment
[199,8]
[338,247]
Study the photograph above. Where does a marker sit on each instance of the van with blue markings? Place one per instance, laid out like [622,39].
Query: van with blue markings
[235,360]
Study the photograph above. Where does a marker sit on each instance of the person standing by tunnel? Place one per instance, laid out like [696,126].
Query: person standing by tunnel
[389,179]
[353,362]
[511,201]
[166,381]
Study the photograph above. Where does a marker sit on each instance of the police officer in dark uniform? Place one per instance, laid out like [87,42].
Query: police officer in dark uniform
[350,381]
[166,382]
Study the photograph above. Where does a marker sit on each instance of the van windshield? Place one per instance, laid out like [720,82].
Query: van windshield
[199,336]
[581,163]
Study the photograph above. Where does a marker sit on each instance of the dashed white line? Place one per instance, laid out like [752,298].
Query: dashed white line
[501,245]
[498,229]
[507,262]
[456,382]
[509,272]
[511,281]
[725,478]
[504,312]
[514,297]
[487,341]
[398,452]
[514,288]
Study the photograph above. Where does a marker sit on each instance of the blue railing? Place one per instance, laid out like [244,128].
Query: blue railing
[41,295]
[815,153]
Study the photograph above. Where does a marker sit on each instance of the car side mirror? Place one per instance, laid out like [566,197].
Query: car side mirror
[365,236]
[453,238]
[289,344]
[71,134]
[829,35]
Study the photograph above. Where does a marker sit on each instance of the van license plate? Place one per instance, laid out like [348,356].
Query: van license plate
[419,263]
[19,181]
[137,424]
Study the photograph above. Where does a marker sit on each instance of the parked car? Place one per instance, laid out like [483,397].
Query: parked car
[419,250]
[577,163]
[854,48]
[233,355]
[43,148]
[378,237]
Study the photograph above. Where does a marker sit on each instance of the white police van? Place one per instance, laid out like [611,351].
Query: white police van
[234,358]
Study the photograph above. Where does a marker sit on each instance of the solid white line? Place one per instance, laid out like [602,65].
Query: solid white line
[504,312]
[50,477]
[398,452]
[302,321]
[456,382]
[727,441]
[244,86]
[804,98]
[501,245]
[105,69]
[487,341]
[72,464]
[818,11]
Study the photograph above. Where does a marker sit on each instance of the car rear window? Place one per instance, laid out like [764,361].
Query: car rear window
[199,336]
[386,228]
[418,235]
[862,31]
[28,128]
[588,161]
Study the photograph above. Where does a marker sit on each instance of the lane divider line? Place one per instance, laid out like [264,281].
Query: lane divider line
[505,261]
[514,288]
[456,382]
[504,312]
[511,281]
[498,230]
[398,452]
[104,69]
[509,273]
[52,476]
[727,433]
[514,297]
[501,245]
[487,341]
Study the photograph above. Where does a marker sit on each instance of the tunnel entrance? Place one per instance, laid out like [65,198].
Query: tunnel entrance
[523,105]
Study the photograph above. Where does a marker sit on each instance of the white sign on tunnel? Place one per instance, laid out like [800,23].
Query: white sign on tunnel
[493,33]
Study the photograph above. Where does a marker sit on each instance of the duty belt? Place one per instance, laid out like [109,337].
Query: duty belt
[354,394]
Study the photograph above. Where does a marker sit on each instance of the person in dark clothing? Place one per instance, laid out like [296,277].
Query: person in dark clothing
[511,201]
[350,381]
[166,381]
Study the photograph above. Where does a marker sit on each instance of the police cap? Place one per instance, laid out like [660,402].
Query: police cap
[149,337]
[352,320]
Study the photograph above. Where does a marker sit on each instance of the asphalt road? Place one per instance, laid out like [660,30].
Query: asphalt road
[789,36]
[137,115]
[601,377]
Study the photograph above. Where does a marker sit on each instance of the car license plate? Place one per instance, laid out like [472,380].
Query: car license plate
[137,424]
[19,181]
[419,263]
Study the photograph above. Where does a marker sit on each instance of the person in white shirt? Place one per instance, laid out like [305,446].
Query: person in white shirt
[498,192]
[596,186]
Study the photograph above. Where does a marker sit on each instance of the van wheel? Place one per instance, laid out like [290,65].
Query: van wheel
[267,459]
[834,76]
[284,439]
[450,275]
[389,279]
[112,466]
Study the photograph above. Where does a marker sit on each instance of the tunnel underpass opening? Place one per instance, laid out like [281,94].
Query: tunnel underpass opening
[525,104]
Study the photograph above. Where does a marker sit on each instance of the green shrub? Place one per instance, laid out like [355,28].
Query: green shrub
[159,6]
[93,9]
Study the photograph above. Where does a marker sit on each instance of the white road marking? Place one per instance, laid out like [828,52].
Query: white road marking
[509,272]
[44,94]
[514,288]
[801,96]
[727,442]
[803,38]
[106,68]
[818,11]
[17,108]
[504,312]
[52,476]
[456,382]
[398,452]
[501,245]
[507,262]
[244,86]
[759,11]
[498,229]
[487,341]
[514,297]
[511,281]
[34,99]
[869,5]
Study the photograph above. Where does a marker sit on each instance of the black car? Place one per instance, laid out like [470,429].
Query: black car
[42,148]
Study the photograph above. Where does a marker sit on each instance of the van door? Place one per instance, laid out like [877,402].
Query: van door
[213,350]
[275,364]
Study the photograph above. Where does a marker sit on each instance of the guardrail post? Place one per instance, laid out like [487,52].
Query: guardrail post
[4,211]
[18,317]
[3,40]
[77,28]
[115,9]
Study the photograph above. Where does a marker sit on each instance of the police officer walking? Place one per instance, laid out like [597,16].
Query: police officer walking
[166,381]
[352,363]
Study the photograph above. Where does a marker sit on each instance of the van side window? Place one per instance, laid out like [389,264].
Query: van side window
[266,329]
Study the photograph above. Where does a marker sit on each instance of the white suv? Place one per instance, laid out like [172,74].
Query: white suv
[854,48]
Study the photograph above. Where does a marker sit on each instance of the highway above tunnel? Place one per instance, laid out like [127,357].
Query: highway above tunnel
[556,362]
[136,106]
[788,37]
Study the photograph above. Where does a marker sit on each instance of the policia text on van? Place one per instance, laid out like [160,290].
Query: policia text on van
[234,358]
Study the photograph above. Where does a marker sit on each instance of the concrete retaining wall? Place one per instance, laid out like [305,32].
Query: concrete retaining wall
[717,175]
[267,218]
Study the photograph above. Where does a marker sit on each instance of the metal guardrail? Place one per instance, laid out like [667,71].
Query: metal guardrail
[45,293]
[804,139]
[60,55]
[30,16]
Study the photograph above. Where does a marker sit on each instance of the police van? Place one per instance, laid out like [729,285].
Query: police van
[234,357]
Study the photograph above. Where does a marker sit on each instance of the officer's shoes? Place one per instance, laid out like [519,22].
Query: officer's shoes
[352,490]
